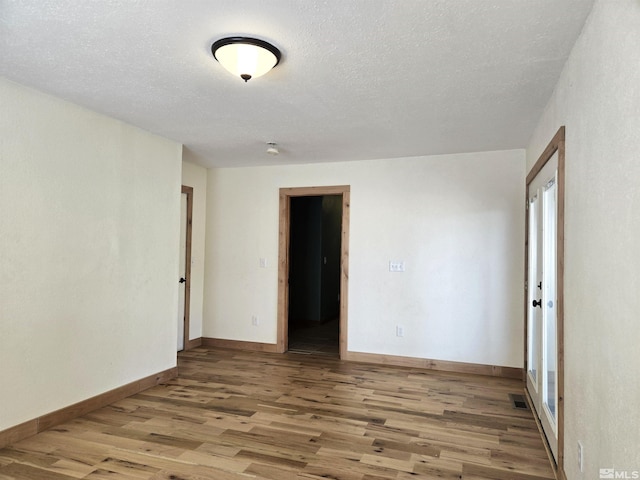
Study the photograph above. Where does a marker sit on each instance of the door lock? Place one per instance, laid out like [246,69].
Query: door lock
[537,303]
[182,280]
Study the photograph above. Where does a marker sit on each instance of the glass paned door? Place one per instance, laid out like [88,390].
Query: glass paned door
[549,300]
[533,292]
[542,355]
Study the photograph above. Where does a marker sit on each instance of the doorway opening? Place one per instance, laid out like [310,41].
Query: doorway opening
[184,280]
[314,274]
[313,270]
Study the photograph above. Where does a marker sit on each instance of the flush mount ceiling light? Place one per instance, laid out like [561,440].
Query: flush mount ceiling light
[272,148]
[246,57]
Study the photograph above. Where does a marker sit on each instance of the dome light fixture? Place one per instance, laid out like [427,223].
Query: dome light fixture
[272,148]
[246,57]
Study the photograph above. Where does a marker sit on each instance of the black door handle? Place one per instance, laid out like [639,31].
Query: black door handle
[537,303]
[182,280]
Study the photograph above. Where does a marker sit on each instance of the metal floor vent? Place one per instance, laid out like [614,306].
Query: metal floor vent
[518,401]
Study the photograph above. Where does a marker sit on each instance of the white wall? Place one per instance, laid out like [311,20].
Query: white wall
[598,99]
[89,211]
[196,176]
[457,221]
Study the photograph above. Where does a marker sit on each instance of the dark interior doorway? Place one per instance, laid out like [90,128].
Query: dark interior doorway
[314,274]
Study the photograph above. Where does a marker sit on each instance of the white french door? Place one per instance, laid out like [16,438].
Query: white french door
[183,266]
[542,316]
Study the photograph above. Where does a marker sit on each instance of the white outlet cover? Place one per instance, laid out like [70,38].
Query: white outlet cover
[396,266]
[580,457]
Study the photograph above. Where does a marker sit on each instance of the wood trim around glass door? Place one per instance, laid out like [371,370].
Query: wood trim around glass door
[557,144]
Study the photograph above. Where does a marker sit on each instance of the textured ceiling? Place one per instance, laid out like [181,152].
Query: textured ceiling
[359,79]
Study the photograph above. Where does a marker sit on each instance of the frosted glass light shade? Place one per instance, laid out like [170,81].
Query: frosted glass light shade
[246,57]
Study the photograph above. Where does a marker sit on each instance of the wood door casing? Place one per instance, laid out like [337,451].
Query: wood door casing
[557,144]
[283,259]
[187,269]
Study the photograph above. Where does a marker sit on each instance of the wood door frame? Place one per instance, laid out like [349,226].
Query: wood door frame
[187,344]
[283,259]
[557,144]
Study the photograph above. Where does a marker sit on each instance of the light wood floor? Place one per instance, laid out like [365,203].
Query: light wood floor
[243,415]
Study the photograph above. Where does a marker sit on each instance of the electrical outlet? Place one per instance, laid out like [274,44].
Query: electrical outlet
[255,321]
[580,457]
[396,266]
[399,331]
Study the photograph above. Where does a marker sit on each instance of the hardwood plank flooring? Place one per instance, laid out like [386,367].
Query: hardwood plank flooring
[233,415]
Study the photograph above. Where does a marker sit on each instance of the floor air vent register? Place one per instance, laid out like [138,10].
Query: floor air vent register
[518,401]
